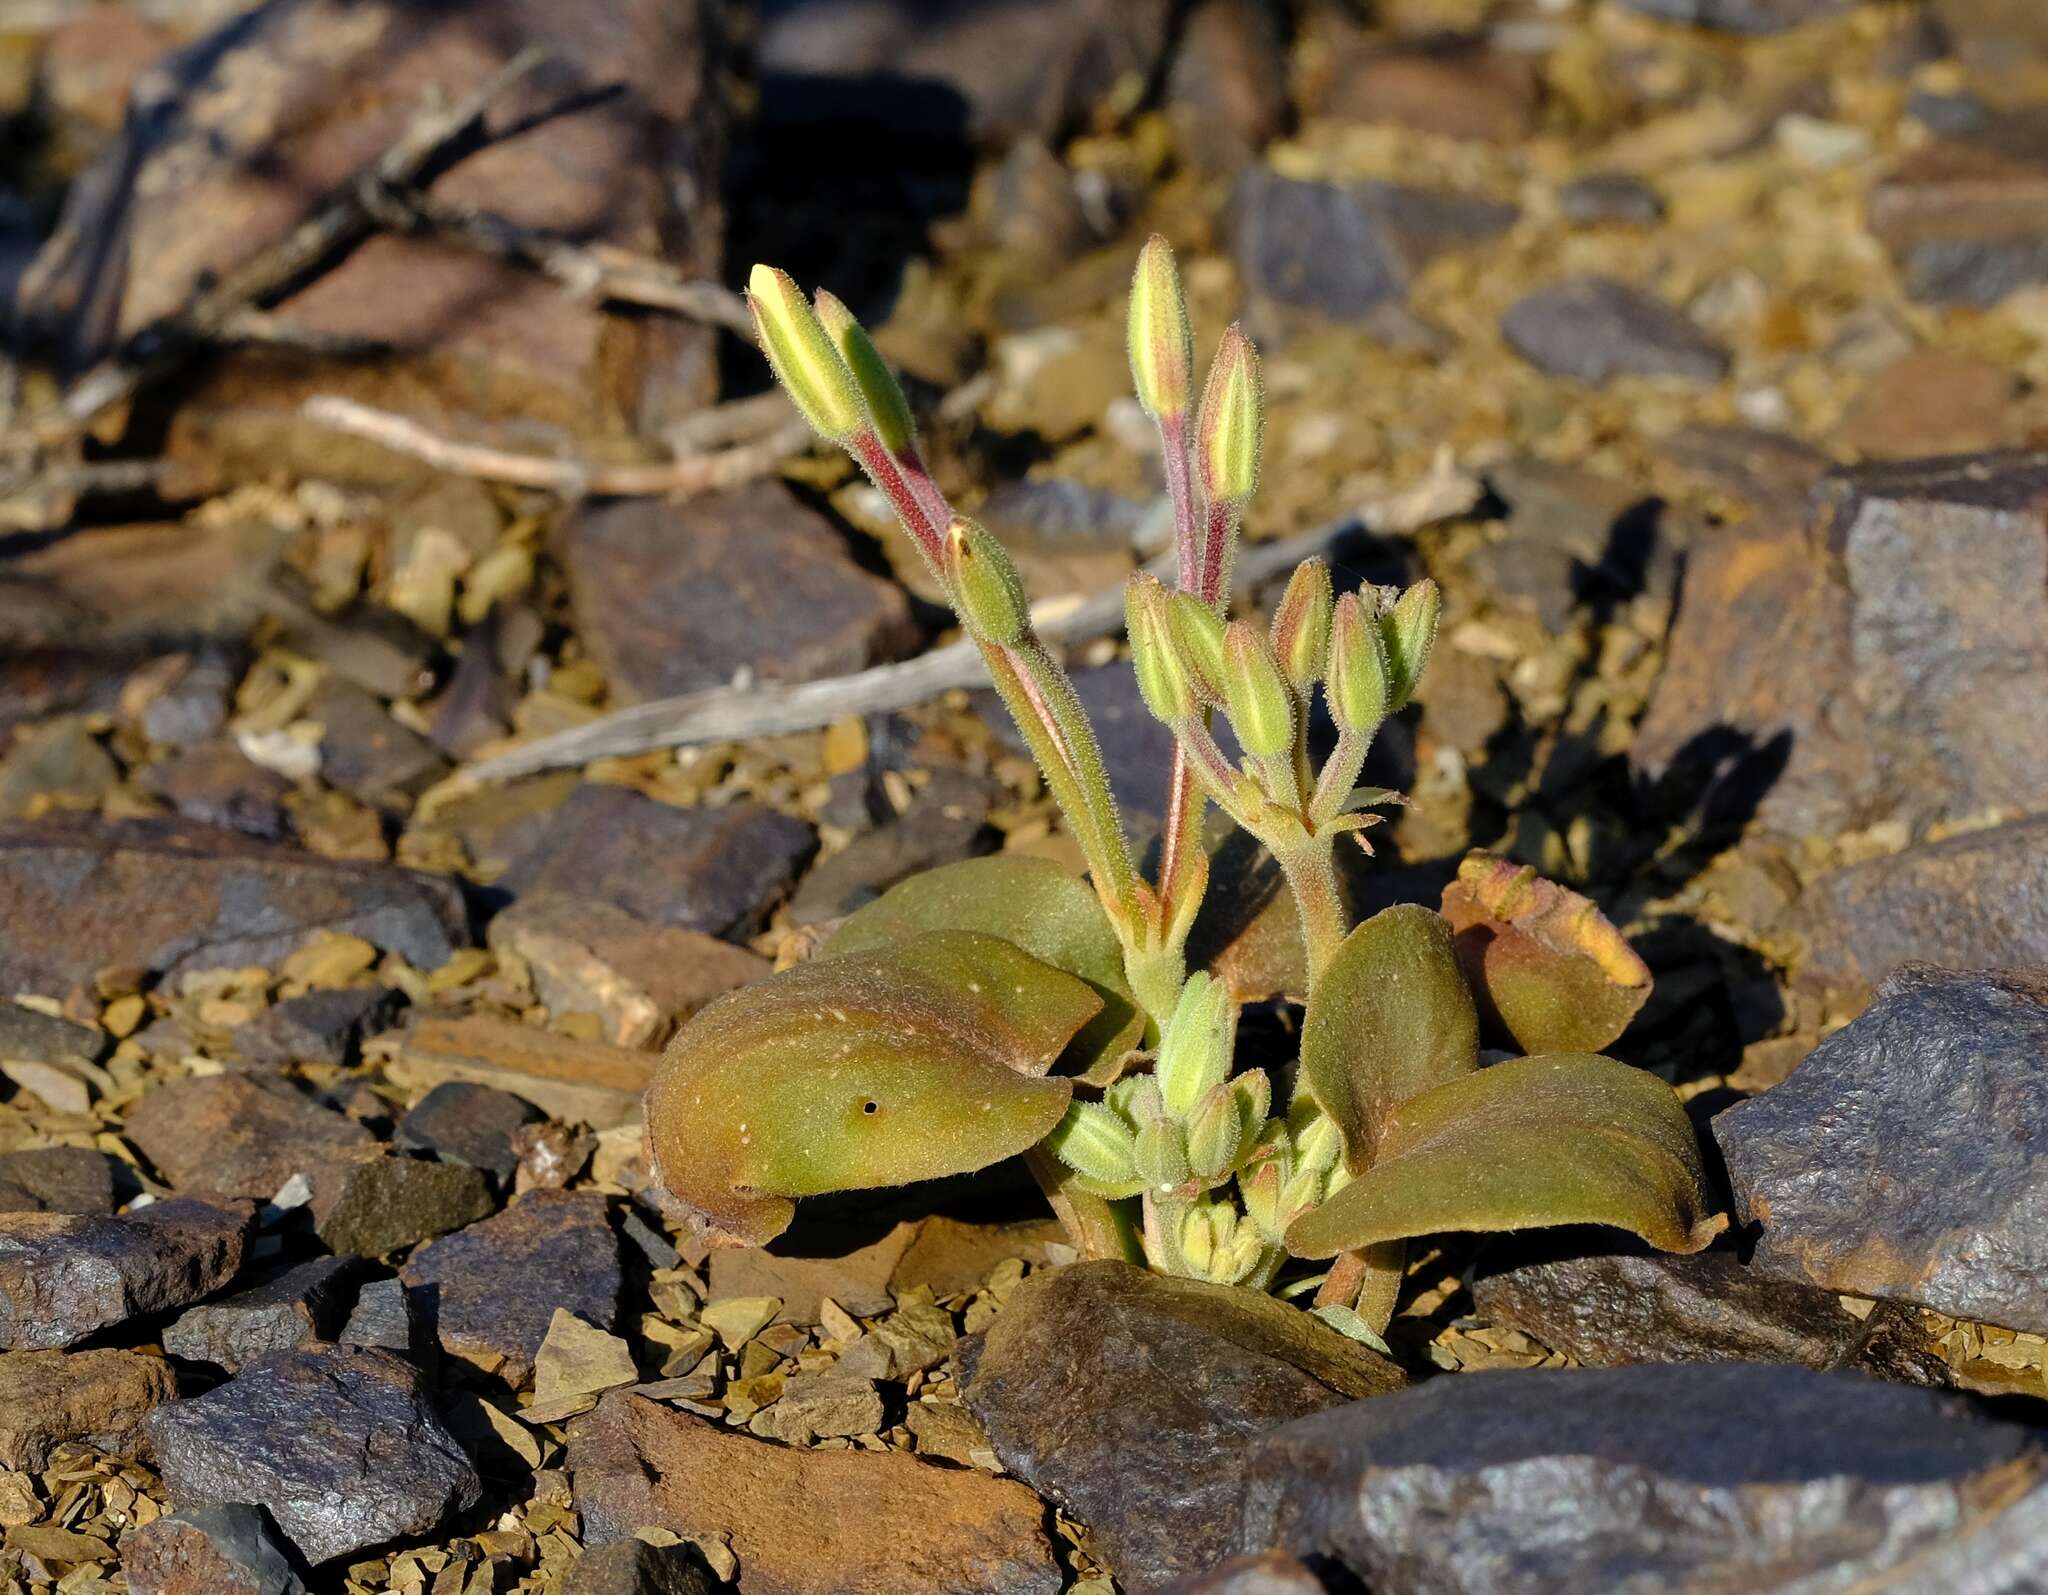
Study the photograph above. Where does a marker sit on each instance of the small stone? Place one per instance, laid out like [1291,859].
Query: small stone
[917,1336]
[633,1567]
[817,1405]
[1679,1476]
[29,1035]
[59,764]
[739,1319]
[1934,1097]
[208,1550]
[462,1122]
[1227,87]
[365,752]
[1131,1399]
[1610,197]
[299,1307]
[318,1026]
[236,1135]
[64,1276]
[496,1285]
[1453,86]
[1932,401]
[718,871]
[946,822]
[1597,328]
[639,979]
[215,783]
[339,1444]
[369,1202]
[945,1430]
[871,1523]
[857,1278]
[1274,1573]
[95,1398]
[383,1317]
[1966,219]
[56,1179]
[1741,16]
[575,1082]
[194,706]
[677,597]
[578,1359]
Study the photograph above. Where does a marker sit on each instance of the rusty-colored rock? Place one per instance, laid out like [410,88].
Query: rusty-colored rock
[236,1134]
[99,1398]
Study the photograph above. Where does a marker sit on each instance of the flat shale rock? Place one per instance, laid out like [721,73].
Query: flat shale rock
[1131,1399]
[1598,328]
[491,1290]
[235,139]
[807,1522]
[1683,1478]
[1966,218]
[318,1026]
[293,1310]
[340,1445]
[633,1567]
[1741,16]
[1915,597]
[639,979]
[56,1179]
[718,871]
[64,1276]
[676,598]
[366,753]
[235,1134]
[48,1398]
[1974,901]
[460,1121]
[1907,1157]
[1608,1308]
[215,783]
[169,896]
[384,1317]
[576,1082]
[208,1550]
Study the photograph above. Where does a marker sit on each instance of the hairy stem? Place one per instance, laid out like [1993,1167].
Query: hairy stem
[1318,898]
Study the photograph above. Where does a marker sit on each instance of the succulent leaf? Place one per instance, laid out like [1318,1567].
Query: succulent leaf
[1568,1138]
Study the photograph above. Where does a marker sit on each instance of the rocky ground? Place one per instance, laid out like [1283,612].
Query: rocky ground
[1696,347]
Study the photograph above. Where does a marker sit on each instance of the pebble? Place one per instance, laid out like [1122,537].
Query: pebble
[1599,328]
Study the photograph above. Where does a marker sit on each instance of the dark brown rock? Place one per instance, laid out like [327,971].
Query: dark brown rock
[718,870]
[1453,86]
[1131,1398]
[460,1121]
[578,1082]
[1610,197]
[215,783]
[368,1202]
[1915,598]
[874,1523]
[1933,401]
[366,753]
[318,1026]
[1907,1156]
[34,1036]
[946,822]
[293,1310]
[1967,218]
[57,765]
[208,1550]
[491,1290]
[1597,328]
[1226,90]
[675,598]
[383,1317]
[1694,1476]
[1974,901]
[633,1567]
[193,707]
[56,1179]
[64,1276]
[167,896]
[96,1398]
[340,1445]
[235,1134]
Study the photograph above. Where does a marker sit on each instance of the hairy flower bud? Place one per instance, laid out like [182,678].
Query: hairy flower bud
[1301,624]
[1261,706]
[1357,687]
[1162,343]
[987,590]
[1410,628]
[805,360]
[1093,1141]
[1161,1153]
[1194,1051]
[886,406]
[1230,427]
[1163,679]
[1198,633]
[1215,1133]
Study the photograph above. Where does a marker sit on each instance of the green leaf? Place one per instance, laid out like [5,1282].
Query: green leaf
[1550,970]
[1390,1018]
[1570,1138]
[1033,903]
[876,1068]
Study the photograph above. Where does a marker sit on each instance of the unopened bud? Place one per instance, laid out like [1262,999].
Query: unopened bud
[1301,624]
[1198,632]
[1410,628]
[1318,1143]
[1215,1133]
[1194,1051]
[1357,687]
[1261,706]
[1160,1151]
[803,356]
[1162,344]
[1197,1241]
[1259,1188]
[1253,1094]
[987,590]
[1163,680]
[1092,1141]
[1232,422]
[879,390]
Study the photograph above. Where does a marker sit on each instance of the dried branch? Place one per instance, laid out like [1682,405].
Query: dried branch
[571,478]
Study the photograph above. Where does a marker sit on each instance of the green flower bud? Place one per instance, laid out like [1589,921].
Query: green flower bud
[1215,1133]
[1409,629]
[886,406]
[987,590]
[1261,706]
[1357,688]
[1093,1141]
[1230,427]
[1194,1051]
[803,356]
[1161,341]
[1160,1151]
[1317,1141]
[1252,1092]
[1198,1241]
[1163,679]
[1301,624]
[1198,632]
[1137,1098]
